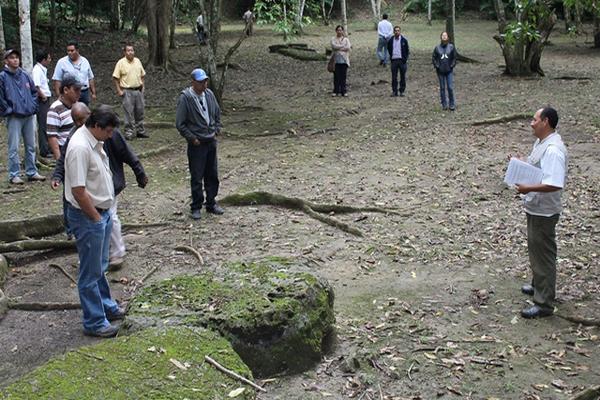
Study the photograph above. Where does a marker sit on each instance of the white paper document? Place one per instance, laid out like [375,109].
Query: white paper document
[520,172]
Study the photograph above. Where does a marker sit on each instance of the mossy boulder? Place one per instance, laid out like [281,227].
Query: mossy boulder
[152,364]
[278,319]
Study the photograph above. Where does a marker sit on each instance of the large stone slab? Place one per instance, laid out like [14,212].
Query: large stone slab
[152,364]
[278,318]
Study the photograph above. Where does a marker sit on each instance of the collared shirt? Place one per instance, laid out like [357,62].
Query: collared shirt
[247,16]
[40,78]
[553,163]
[87,165]
[59,121]
[397,49]
[200,20]
[385,29]
[129,73]
[200,100]
[82,70]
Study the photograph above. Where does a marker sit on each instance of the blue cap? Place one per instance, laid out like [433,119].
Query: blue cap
[199,75]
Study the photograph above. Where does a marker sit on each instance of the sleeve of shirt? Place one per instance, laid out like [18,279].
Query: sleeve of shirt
[58,72]
[76,165]
[36,76]
[553,167]
[142,68]
[117,72]
[52,123]
[90,72]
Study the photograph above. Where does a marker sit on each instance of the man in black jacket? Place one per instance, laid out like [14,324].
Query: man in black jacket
[397,46]
[119,152]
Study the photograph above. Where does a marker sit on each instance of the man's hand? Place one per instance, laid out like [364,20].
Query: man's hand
[120,93]
[196,142]
[55,184]
[94,99]
[143,182]
[524,189]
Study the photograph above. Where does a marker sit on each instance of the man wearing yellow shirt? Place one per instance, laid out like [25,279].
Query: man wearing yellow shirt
[129,81]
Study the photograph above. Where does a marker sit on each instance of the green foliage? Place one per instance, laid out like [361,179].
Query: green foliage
[283,15]
[525,28]
[438,7]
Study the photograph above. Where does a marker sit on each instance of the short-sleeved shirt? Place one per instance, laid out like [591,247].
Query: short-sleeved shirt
[129,73]
[87,165]
[59,121]
[82,71]
[40,78]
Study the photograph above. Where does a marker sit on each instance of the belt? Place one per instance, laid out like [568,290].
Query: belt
[101,210]
[85,90]
[139,88]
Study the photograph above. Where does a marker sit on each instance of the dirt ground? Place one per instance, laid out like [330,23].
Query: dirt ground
[428,301]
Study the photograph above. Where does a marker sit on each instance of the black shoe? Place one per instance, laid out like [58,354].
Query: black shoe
[381,62]
[536,311]
[527,289]
[106,332]
[117,315]
[401,94]
[394,95]
[142,135]
[215,210]
[196,214]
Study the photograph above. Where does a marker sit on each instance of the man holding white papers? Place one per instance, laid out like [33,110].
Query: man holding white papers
[542,202]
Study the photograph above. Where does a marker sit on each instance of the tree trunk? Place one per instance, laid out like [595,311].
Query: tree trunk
[25,34]
[429,12]
[299,16]
[158,14]
[376,10]
[2,40]
[52,23]
[344,16]
[596,32]
[500,15]
[33,17]
[173,24]
[115,17]
[451,20]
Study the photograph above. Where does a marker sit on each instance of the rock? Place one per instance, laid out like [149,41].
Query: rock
[152,364]
[277,320]
[3,270]
[3,304]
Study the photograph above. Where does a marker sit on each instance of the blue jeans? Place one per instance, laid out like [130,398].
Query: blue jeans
[17,127]
[93,239]
[84,97]
[382,51]
[446,80]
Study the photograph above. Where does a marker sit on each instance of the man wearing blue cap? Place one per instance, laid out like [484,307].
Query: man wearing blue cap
[198,120]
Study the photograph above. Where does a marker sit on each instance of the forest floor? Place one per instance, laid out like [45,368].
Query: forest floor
[427,302]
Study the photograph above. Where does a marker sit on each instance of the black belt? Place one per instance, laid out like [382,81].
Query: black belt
[101,210]
[139,88]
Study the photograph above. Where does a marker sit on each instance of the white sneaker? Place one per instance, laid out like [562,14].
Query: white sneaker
[17,181]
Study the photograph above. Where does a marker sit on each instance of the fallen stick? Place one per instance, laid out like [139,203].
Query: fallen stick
[150,273]
[191,250]
[233,374]
[154,152]
[32,245]
[332,221]
[580,320]
[592,393]
[61,269]
[39,306]
[499,120]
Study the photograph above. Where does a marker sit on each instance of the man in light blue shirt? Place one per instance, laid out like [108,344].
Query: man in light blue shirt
[78,66]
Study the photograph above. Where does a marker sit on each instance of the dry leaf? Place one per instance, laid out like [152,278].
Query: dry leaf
[236,392]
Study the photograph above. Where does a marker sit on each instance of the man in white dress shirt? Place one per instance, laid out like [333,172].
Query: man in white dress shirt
[385,30]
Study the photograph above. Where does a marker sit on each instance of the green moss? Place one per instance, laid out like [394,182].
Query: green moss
[275,319]
[136,367]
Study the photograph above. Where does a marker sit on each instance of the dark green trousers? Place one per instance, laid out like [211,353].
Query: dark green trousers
[541,244]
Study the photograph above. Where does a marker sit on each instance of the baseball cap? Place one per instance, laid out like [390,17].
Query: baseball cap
[199,75]
[11,51]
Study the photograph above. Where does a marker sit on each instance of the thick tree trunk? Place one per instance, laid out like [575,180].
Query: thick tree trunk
[344,16]
[25,34]
[2,40]
[33,17]
[299,16]
[158,14]
[115,17]
[429,12]
[451,20]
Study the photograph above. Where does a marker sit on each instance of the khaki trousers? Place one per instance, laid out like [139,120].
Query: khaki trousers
[133,105]
[541,245]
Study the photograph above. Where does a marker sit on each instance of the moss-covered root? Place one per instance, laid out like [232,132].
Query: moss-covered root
[152,364]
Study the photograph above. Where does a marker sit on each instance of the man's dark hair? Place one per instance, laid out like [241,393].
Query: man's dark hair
[68,81]
[398,26]
[126,45]
[384,16]
[552,116]
[41,55]
[73,42]
[102,117]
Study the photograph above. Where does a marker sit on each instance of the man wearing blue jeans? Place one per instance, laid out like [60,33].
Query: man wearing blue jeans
[90,194]
[385,30]
[18,103]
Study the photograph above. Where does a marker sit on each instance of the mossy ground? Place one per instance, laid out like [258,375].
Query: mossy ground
[277,320]
[141,366]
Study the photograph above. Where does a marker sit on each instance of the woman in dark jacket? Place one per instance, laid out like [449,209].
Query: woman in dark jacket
[444,60]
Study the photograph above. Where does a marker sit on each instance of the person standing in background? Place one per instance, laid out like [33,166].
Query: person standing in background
[385,30]
[40,80]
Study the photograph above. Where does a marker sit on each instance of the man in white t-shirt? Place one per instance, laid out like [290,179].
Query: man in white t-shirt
[385,31]
[542,203]
[40,80]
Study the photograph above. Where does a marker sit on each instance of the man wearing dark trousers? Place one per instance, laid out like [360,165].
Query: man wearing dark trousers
[542,203]
[198,120]
[398,49]
[40,79]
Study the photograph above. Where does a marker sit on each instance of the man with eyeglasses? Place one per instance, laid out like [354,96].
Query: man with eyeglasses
[76,65]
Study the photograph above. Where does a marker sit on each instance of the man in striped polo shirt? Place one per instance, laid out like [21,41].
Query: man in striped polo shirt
[58,121]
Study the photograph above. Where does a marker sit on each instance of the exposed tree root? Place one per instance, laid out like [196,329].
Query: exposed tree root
[11,231]
[159,125]
[61,269]
[40,306]
[464,59]
[592,393]
[192,251]
[155,152]
[313,210]
[505,118]
[33,245]
[580,320]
